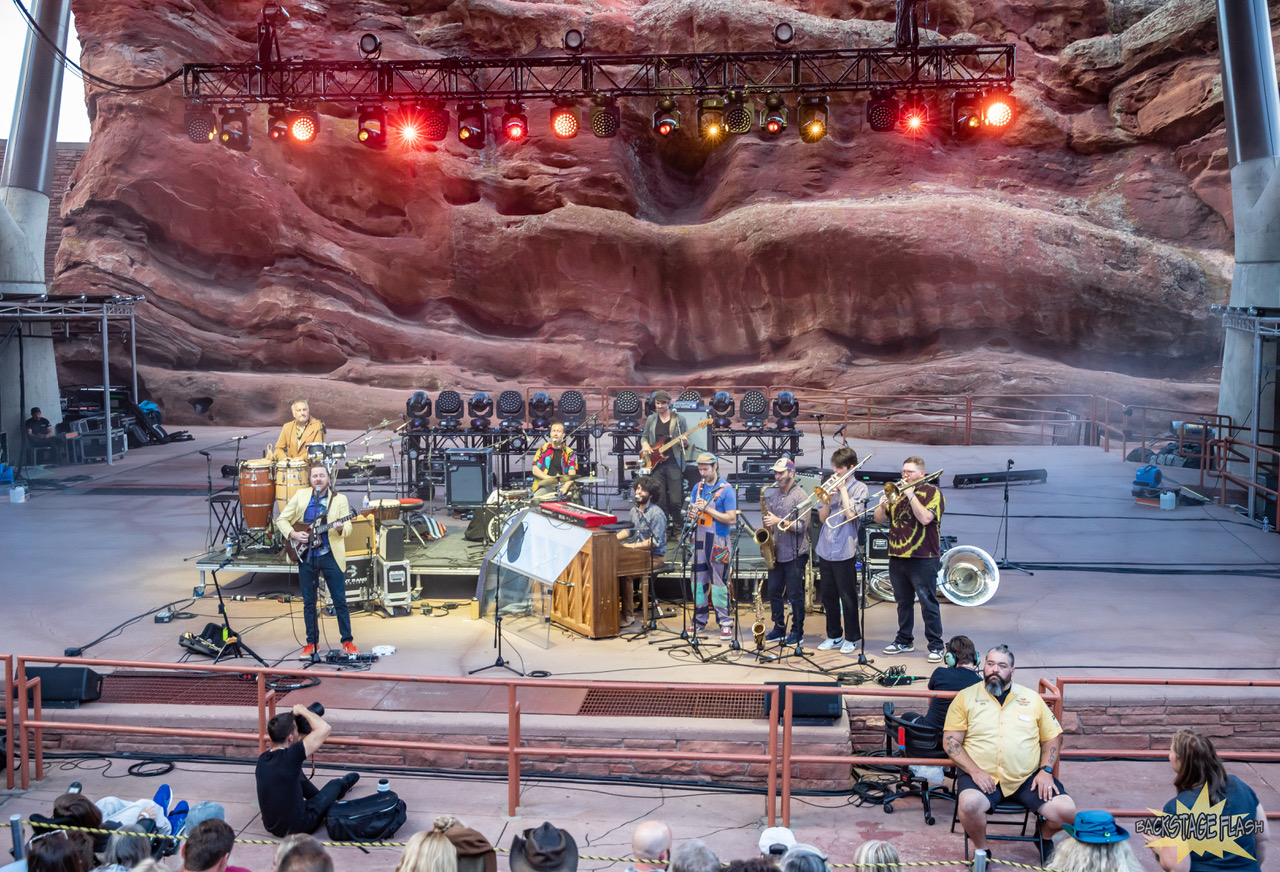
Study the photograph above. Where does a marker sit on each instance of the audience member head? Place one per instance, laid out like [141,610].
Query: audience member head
[877,852]
[281,727]
[776,841]
[1097,844]
[77,810]
[753,864]
[475,853]
[430,851]
[962,651]
[208,846]
[545,849]
[151,865]
[303,854]
[1195,763]
[694,856]
[127,847]
[651,842]
[55,851]
[285,844]
[804,858]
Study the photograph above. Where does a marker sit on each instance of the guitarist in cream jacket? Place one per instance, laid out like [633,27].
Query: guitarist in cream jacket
[322,554]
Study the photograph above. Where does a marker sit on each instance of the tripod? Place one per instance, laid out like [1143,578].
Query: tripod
[232,646]
[499,663]
[1004,526]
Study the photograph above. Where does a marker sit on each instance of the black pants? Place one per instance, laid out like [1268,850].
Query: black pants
[671,496]
[318,802]
[326,567]
[786,585]
[911,577]
[838,580]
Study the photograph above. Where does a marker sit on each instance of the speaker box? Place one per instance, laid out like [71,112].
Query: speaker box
[467,475]
[391,541]
[358,577]
[361,540]
[66,686]
[810,708]
[1013,476]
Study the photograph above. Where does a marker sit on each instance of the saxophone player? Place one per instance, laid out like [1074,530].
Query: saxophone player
[837,549]
[791,552]
[715,511]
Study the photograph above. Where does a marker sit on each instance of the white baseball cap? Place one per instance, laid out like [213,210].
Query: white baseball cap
[774,838]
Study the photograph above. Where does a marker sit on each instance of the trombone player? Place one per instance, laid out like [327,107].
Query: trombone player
[915,551]
[837,549]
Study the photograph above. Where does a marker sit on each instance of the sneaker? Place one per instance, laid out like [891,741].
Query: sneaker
[895,648]
[831,643]
[775,634]
[178,817]
[848,647]
[793,639]
[350,648]
[349,781]
[163,797]
[308,652]
[935,657]
[726,633]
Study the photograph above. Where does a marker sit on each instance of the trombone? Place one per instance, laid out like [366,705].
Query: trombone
[822,494]
[892,494]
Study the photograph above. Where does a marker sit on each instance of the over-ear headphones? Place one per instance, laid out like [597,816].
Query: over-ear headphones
[949,659]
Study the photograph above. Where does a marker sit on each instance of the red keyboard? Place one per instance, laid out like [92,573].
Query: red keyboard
[583,516]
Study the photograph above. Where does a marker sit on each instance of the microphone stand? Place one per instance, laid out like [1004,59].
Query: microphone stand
[232,643]
[498,663]
[1004,525]
[688,549]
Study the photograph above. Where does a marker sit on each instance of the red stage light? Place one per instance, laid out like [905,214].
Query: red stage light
[564,122]
[998,113]
[302,128]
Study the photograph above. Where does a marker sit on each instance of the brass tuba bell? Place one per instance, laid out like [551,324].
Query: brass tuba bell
[968,577]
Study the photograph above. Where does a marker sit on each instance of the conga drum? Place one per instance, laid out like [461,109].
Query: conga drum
[255,493]
[290,475]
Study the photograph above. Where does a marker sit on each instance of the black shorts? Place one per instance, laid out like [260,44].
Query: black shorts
[1026,795]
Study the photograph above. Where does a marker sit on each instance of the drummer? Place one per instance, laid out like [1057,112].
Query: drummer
[556,458]
[295,435]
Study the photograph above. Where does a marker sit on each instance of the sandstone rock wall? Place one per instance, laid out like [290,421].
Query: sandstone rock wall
[1080,252]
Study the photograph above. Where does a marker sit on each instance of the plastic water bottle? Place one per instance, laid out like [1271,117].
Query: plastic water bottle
[384,785]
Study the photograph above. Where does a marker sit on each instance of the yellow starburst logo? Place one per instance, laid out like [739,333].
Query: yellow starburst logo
[1203,829]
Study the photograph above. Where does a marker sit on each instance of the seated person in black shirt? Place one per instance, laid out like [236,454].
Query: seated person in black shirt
[290,803]
[39,432]
[959,670]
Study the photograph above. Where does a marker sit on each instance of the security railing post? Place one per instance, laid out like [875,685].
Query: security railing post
[513,755]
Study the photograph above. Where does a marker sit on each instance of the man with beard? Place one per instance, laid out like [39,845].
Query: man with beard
[648,532]
[1006,741]
[791,547]
[297,434]
[715,511]
[915,551]
[555,460]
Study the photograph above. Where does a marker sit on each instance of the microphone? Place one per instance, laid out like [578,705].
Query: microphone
[839,431]
[238,438]
[206,454]
[1010,466]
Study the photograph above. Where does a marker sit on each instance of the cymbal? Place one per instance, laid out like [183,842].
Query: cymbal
[514,494]
[589,479]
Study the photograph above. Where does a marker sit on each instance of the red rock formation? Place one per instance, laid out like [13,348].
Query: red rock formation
[1078,254]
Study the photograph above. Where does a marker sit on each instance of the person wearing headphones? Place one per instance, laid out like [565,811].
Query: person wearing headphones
[959,670]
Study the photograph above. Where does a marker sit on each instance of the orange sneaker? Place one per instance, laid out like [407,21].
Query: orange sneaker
[350,648]
[308,651]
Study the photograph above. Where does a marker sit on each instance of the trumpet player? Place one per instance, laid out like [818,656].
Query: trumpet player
[791,545]
[915,551]
[715,510]
[837,549]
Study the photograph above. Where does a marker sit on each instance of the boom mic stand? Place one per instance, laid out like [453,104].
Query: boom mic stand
[688,549]
[232,643]
[1004,525]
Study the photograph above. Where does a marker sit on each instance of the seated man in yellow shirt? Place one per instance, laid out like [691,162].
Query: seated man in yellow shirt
[1006,742]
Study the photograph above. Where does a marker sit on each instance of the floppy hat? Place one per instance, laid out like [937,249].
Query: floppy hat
[706,457]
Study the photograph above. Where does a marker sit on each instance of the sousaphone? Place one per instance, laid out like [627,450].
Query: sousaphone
[968,577]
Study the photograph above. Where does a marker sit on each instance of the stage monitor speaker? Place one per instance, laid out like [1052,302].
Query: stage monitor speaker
[467,477]
[391,541]
[1013,476]
[875,476]
[66,686]
[358,578]
[810,708]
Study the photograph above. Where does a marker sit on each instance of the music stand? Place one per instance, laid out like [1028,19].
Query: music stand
[1004,525]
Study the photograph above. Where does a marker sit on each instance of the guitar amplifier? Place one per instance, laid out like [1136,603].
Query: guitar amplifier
[391,541]
[360,541]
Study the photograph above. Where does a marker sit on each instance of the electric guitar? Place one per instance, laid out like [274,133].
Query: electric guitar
[298,551]
[663,447]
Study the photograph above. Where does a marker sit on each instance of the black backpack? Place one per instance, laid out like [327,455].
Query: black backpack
[372,818]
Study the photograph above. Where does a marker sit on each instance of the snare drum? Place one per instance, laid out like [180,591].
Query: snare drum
[315,451]
[290,475]
[385,510]
[255,493]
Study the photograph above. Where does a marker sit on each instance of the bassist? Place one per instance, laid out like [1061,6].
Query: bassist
[668,468]
[326,557]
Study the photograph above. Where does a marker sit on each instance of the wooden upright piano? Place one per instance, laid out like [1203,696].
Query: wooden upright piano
[587,600]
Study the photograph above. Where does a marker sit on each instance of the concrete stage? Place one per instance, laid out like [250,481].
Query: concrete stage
[1119,590]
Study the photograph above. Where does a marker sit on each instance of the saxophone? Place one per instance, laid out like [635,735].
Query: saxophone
[764,538]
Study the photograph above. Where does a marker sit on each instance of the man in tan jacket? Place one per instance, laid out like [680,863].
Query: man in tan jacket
[297,434]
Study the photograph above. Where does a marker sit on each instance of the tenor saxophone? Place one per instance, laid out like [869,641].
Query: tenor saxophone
[764,538]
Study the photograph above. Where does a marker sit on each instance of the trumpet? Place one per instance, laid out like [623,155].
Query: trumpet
[822,494]
[893,494]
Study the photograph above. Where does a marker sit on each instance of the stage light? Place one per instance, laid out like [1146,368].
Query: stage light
[606,118]
[480,408]
[574,40]
[812,117]
[541,410]
[277,125]
[783,33]
[626,410]
[737,117]
[786,408]
[882,112]
[407,126]
[753,409]
[511,410]
[418,410]
[471,124]
[711,118]
[449,409]
[565,120]
[966,116]
[304,125]
[722,410]
[998,110]
[915,115]
[201,126]
[666,117]
[370,46]
[573,408]
[773,117]
[371,127]
[690,396]
[515,124]
[234,127]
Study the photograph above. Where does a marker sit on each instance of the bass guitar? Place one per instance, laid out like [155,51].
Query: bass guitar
[298,551]
[655,453]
